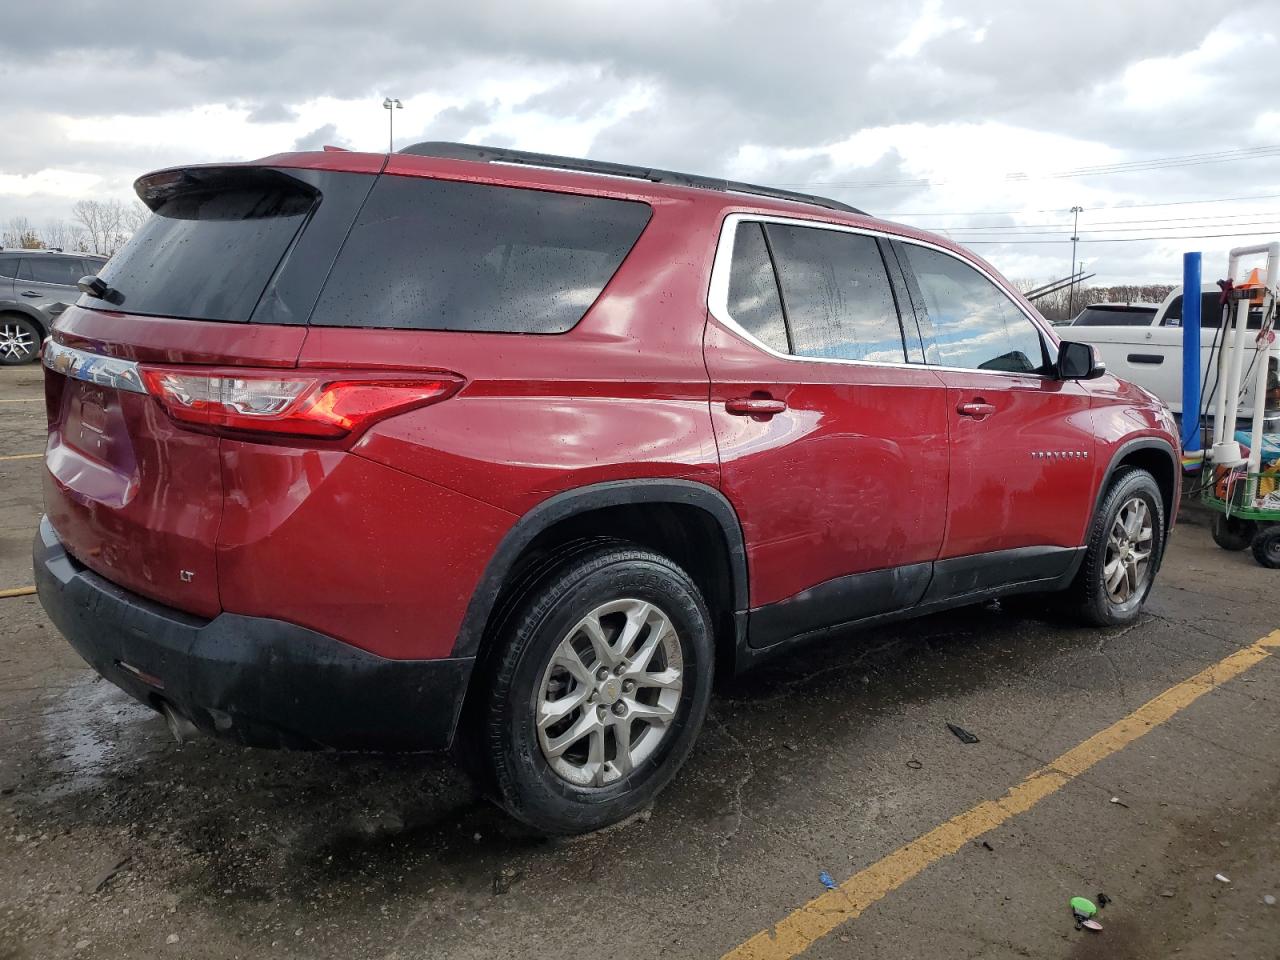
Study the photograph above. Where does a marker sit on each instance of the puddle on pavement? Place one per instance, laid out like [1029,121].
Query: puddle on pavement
[88,729]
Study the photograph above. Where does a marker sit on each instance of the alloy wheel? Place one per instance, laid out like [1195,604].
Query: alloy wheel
[16,342]
[1127,567]
[610,693]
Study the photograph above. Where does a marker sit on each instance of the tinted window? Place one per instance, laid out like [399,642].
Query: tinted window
[754,303]
[208,253]
[836,295]
[1114,317]
[91,267]
[974,324]
[8,266]
[1210,313]
[441,255]
[61,270]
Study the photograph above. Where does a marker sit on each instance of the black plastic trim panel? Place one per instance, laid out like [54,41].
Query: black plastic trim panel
[954,582]
[256,681]
[593,497]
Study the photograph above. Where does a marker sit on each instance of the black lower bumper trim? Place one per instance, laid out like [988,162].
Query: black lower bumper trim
[254,680]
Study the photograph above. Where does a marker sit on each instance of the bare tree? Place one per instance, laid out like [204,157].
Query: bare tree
[103,224]
[20,233]
[134,216]
[1054,306]
[62,235]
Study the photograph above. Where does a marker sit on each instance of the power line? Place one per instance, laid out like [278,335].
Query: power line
[1269,224]
[1215,219]
[1202,236]
[1131,166]
[1118,206]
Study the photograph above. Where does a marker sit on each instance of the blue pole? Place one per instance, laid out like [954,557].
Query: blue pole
[1191,351]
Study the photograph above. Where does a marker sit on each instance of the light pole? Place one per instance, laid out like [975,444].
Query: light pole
[391,105]
[1075,237]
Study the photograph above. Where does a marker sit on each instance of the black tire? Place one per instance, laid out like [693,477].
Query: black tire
[520,774]
[20,339]
[1088,597]
[1232,533]
[1266,547]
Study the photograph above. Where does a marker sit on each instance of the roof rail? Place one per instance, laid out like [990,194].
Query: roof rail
[447,150]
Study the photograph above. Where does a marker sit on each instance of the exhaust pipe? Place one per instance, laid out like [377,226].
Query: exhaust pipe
[181,728]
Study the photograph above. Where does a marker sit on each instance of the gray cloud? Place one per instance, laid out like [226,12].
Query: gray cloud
[320,137]
[272,113]
[699,86]
[456,123]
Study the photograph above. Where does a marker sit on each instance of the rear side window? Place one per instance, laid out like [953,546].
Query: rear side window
[1211,313]
[8,266]
[208,252]
[974,324]
[1114,317]
[836,294]
[61,270]
[444,255]
[754,303]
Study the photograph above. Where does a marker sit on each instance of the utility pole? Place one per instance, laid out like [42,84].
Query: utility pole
[391,105]
[1075,237]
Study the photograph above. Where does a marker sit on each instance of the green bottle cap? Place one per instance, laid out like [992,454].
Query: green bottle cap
[1083,906]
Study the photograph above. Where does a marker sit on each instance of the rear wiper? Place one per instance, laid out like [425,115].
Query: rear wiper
[97,287]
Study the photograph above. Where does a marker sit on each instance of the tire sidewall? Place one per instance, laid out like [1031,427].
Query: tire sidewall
[1135,483]
[1264,547]
[525,780]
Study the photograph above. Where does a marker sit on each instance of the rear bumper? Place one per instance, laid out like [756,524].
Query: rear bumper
[257,681]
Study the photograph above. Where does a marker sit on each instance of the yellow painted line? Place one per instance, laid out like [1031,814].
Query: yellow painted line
[22,456]
[17,592]
[794,933]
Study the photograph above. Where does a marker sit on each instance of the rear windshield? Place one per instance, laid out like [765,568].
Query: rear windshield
[1115,317]
[205,253]
[445,255]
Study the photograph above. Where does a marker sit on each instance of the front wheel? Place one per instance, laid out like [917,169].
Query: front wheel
[600,691]
[1126,542]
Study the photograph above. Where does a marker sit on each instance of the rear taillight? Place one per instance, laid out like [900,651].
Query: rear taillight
[323,406]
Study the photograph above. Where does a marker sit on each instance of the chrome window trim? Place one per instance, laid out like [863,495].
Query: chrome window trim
[92,367]
[718,293]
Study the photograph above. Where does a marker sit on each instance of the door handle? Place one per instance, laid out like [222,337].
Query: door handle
[30,293]
[755,406]
[976,409]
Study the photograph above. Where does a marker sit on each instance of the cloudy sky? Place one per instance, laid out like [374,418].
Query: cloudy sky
[985,119]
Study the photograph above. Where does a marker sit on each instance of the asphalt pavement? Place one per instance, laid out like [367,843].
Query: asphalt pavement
[1142,763]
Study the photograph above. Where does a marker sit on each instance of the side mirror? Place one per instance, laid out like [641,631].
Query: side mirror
[1079,361]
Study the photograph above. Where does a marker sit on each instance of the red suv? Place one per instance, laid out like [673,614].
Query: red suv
[360,451]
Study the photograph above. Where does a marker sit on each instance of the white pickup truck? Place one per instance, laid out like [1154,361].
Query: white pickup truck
[1149,352]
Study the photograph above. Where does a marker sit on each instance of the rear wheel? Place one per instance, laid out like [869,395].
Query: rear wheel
[1125,545]
[19,340]
[1266,547]
[600,691]
[1232,533]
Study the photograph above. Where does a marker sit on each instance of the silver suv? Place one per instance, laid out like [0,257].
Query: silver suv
[36,286]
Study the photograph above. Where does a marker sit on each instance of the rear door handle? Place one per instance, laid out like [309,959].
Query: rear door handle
[976,408]
[30,293]
[755,406]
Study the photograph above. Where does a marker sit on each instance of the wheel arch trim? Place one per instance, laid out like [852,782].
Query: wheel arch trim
[579,500]
[27,313]
[1125,449]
